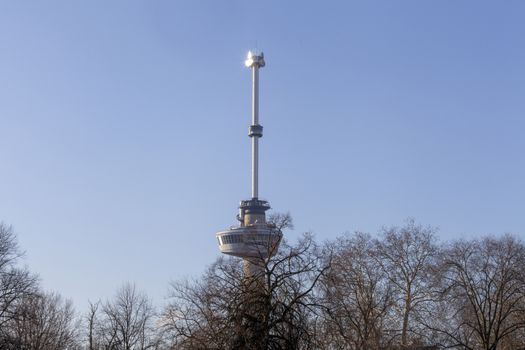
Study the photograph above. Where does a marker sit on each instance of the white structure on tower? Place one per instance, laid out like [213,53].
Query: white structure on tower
[254,239]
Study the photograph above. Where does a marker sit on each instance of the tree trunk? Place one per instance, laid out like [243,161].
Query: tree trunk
[405,320]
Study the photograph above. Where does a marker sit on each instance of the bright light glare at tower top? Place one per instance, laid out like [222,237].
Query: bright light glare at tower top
[254,59]
[249,59]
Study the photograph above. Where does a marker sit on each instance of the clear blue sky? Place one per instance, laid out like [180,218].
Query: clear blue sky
[124,141]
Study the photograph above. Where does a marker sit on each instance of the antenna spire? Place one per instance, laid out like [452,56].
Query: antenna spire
[255,61]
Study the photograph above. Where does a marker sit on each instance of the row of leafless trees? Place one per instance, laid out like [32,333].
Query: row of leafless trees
[401,289]
[404,289]
[29,317]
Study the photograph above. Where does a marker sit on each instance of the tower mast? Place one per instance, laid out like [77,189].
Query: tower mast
[255,62]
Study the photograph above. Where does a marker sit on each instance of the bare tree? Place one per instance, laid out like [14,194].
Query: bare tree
[407,255]
[43,322]
[357,295]
[282,221]
[482,299]
[16,283]
[126,322]
[220,311]
[92,322]
[291,277]
[204,313]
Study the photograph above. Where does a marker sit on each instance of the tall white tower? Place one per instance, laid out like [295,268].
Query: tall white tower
[254,239]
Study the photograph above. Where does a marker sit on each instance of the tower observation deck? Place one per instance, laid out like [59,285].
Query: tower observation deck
[253,239]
